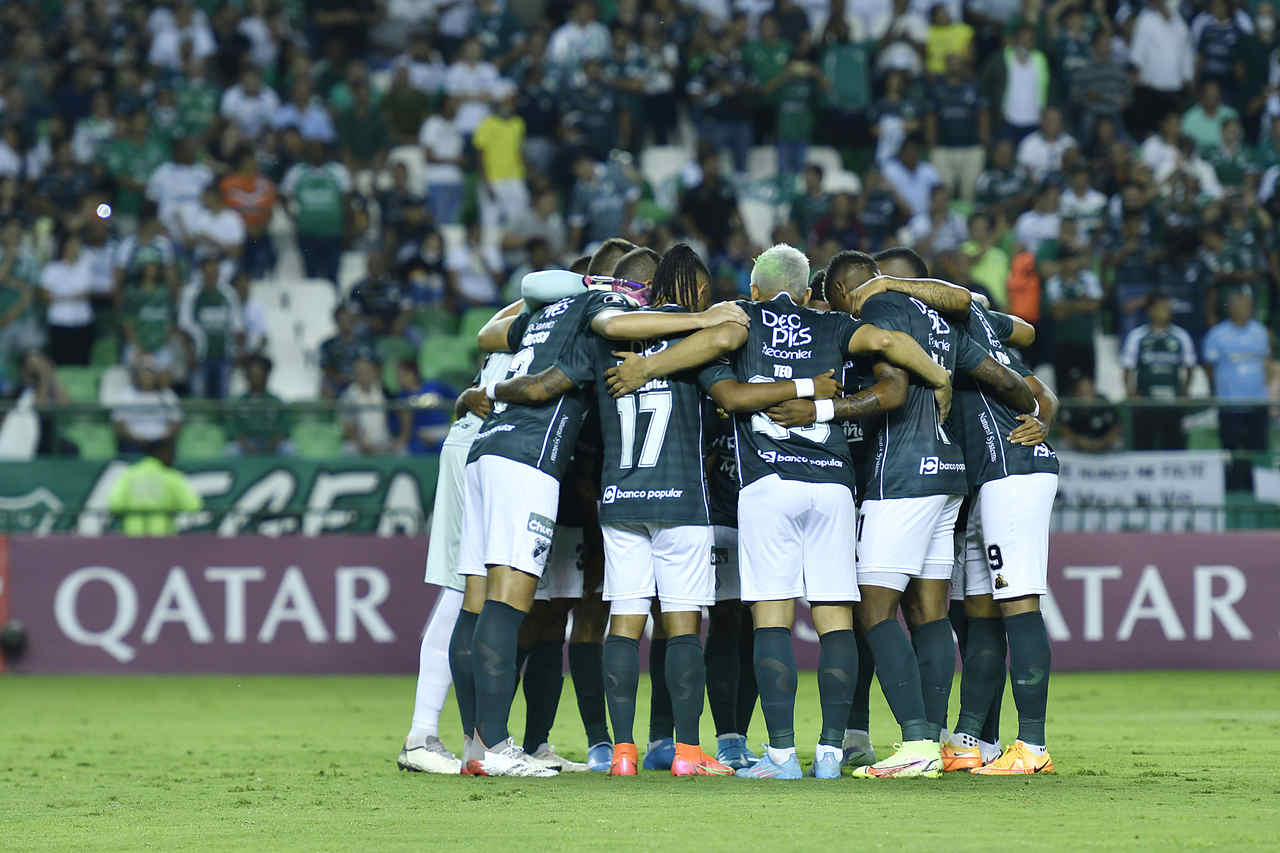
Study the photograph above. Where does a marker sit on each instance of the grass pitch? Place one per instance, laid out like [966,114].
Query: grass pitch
[1153,760]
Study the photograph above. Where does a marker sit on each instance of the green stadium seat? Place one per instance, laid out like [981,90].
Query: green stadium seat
[81,383]
[105,352]
[440,356]
[97,441]
[473,321]
[1203,438]
[391,351]
[201,440]
[317,439]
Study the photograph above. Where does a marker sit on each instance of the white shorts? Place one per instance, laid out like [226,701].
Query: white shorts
[509,518]
[795,540]
[446,517]
[1011,538]
[724,559]
[563,575]
[904,538]
[672,562]
[970,576]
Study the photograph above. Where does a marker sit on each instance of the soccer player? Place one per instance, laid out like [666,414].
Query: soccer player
[908,515]
[795,509]
[513,485]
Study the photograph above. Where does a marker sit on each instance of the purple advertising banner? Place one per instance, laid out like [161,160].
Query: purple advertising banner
[357,604]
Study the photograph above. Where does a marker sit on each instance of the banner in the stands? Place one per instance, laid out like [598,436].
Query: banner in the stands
[1159,491]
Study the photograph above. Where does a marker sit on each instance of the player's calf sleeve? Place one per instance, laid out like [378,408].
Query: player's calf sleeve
[860,707]
[747,691]
[686,680]
[621,680]
[900,679]
[960,624]
[837,675]
[991,729]
[775,666]
[1029,661]
[936,655]
[543,681]
[495,669]
[586,667]
[982,676]
[460,659]
[433,667]
[721,662]
[661,722]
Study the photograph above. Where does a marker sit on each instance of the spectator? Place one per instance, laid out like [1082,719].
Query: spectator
[62,186]
[796,90]
[146,319]
[881,211]
[1158,358]
[1133,269]
[1074,297]
[1218,44]
[146,411]
[65,285]
[404,107]
[720,94]
[1237,357]
[317,192]
[1042,222]
[129,159]
[186,28]
[504,198]
[579,38]
[380,300]
[1233,161]
[710,208]
[474,84]
[912,179]
[602,202]
[893,118]
[542,222]
[1092,429]
[591,108]
[179,180]
[428,408]
[1101,88]
[93,131]
[250,105]
[989,262]
[841,225]
[149,495]
[210,227]
[846,62]
[362,132]
[305,113]
[20,330]
[260,422]
[958,128]
[1160,150]
[253,318]
[1189,164]
[948,38]
[812,204]
[538,256]
[198,100]
[767,56]
[1003,187]
[1018,78]
[1161,50]
[423,65]
[339,353]
[212,316]
[939,229]
[1082,203]
[252,195]
[661,61]
[475,267]
[1204,121]
[442,146]
[406,221]
[1041,153]
[900,34]
[364,411]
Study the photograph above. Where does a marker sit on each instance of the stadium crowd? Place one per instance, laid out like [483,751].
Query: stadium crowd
[1091,166]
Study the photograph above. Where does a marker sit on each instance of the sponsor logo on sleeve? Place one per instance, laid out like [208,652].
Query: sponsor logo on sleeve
[541,525]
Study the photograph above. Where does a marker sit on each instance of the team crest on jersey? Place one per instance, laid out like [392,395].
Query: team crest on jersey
[1043,450]
[1000,582]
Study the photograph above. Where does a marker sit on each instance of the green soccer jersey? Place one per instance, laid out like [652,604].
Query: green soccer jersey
[543,437]
[722,465]
[653,464]
[213,312]
[984,422]
[915,454]
[319,193]
[1157,357]
[198,103]
[788,341]
[152,316]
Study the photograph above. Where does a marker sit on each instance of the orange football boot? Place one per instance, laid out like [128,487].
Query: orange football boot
[690,760]
[625,760]
[1017,760]
[960,757]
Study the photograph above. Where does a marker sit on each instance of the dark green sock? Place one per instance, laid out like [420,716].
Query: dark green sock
[747,692]
[1029,663]
[543,683]
[837,674]
[495,669]
[936,655]
[687,680]
[775,665]
[661,721]
[621,680]
[900,679]
[983,674]
[464,679]
[960,624]
[586,668]
[860,708]
[720,659]
[991,729]
[522,655]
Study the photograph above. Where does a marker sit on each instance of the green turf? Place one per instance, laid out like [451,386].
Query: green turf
[1153,760]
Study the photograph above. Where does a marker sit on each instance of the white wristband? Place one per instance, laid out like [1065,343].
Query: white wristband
[804,387]
[1035,413]
[490,390]
[826,410]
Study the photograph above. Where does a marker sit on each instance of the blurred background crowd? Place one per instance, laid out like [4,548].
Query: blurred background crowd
[279,200]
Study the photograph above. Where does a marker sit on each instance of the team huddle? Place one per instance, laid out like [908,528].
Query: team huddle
[867,441]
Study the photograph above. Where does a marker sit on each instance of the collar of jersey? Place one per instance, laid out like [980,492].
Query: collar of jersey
[780,294]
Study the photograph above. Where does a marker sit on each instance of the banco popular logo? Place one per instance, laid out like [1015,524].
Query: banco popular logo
[610,494]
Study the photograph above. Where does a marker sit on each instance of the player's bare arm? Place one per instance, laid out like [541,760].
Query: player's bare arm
[889,393]
[492,336]
[694,351]
[1023,334]
[744,397]
[902,349]
[534,390]
[942,295]
[647,325]
[1006,384]
[1034,430]
[473,400]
